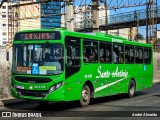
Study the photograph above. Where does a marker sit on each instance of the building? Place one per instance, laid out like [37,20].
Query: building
[28,16]
[28,20]
[83,16]
[158,38]
[50,14]
[45,15]
[4,24]
[128,33]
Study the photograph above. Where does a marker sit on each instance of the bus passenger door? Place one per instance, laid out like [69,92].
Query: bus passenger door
[72,68]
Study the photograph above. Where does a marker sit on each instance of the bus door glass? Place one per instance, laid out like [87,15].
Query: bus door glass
[72,55]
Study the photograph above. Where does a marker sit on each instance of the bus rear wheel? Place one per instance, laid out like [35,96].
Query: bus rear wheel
[131,89]
[85,96]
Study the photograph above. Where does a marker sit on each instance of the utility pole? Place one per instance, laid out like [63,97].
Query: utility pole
[147,20]
[151,22]
[69,15]
[95,15]
[106,9]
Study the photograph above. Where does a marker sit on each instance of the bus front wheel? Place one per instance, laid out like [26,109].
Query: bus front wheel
[131,89]
[85,96]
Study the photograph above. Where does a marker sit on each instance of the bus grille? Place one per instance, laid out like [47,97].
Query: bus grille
[33,93]
[32,79]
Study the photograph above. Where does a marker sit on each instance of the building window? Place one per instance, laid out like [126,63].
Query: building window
[3,7]
[3,16]
[4,25]
[4,33]
[4,42]
[4,38]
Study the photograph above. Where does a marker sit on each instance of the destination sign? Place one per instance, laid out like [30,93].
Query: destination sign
[38,36]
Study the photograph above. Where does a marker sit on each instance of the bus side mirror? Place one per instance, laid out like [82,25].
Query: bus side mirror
[7,55]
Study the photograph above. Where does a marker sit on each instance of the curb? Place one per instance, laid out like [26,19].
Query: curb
[157,81]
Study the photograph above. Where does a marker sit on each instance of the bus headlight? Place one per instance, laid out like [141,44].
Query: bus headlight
[55,87]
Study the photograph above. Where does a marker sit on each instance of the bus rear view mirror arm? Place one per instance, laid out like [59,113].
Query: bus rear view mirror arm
[7,52]
[7,55]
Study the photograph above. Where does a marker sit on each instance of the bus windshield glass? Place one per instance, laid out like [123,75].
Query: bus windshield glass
[41,59]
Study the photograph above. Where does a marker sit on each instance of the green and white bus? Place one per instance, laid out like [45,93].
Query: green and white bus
[60,65]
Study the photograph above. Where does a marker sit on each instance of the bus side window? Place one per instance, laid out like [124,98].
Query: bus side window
[108,53]
[115,54]
[90,52]
[138,54]
[118,53]
[129,54]
[102,53]
[147,55]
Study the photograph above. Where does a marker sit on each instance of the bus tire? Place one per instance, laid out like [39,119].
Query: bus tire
[85,96]
[131,89]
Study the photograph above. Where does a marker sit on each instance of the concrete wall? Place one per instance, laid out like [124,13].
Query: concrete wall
[126,33]
[5,74]
[30,22]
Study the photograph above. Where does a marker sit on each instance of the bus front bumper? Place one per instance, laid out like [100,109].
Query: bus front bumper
[55,96]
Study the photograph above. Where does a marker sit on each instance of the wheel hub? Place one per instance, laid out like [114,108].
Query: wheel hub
[132,90]
[85,95]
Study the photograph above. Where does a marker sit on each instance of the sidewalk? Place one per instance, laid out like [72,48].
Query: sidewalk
[13,100]
[156,81]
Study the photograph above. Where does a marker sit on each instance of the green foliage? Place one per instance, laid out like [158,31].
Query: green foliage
[139,36]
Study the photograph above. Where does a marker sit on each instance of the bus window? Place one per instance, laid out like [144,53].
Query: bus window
[102,53]
[108,53]
[90,51]
[105,52]
[118,54]
[72,55]
[129,54]
[72,52]
[147,55]
[138,54]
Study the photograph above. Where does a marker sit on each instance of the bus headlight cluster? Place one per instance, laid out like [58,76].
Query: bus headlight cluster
[18,86]
[55,87]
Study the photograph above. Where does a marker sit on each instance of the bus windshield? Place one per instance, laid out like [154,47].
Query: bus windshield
[43,59]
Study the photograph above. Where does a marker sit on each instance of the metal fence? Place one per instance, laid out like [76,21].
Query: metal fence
[127,17]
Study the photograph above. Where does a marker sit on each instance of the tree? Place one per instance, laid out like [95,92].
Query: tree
[139,36]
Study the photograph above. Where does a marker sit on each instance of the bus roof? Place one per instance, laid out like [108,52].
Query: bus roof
[94,36]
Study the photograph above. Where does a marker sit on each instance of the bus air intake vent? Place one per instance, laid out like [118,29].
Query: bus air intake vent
[32,79]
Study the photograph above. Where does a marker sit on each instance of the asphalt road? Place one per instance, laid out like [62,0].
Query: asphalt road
[146,102]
